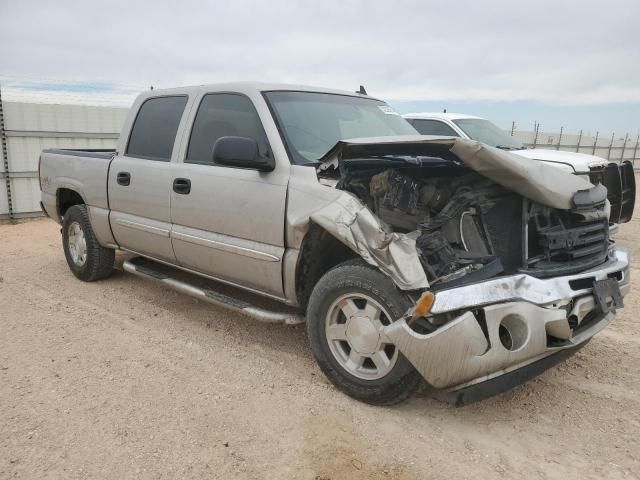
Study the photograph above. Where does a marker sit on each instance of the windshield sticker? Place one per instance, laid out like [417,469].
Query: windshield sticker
[387,110]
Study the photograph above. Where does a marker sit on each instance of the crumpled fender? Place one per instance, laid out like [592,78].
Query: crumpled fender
[346,218]
[356,226]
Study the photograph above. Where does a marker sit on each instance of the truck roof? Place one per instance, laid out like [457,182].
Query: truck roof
[440,115]
[250,87]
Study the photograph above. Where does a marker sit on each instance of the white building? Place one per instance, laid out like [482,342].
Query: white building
[28,128]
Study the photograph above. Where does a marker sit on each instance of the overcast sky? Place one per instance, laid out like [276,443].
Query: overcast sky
[505,57]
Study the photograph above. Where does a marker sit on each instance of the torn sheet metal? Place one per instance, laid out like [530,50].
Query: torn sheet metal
[357,227]
[345,217]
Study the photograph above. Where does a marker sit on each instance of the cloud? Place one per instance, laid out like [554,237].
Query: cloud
[570,52]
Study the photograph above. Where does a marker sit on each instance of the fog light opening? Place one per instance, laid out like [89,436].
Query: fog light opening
[505,337]
[513,332]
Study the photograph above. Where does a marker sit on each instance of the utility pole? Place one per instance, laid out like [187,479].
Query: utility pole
[579,140]
[5,159]
[595,142]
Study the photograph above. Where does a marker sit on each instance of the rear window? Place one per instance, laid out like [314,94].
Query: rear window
[155,128]
[433,127]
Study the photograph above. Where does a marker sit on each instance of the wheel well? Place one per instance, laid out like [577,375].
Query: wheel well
[319,253]
[66,199]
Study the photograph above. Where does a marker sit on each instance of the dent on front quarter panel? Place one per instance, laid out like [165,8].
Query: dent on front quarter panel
[345,217]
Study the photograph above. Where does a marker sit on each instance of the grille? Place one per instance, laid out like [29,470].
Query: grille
[560,243]
[568,244]
[621,188]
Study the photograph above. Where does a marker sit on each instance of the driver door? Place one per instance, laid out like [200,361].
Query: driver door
[229,223]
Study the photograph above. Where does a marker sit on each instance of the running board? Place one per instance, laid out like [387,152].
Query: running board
[143,268]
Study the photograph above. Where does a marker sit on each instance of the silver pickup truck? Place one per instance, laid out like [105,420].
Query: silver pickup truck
[407,256]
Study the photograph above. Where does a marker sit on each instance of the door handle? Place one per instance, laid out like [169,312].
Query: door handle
[124,179]
[182,186]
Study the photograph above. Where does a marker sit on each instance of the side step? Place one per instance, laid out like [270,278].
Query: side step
[143,268]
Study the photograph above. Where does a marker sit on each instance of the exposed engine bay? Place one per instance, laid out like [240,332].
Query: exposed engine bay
[469,228]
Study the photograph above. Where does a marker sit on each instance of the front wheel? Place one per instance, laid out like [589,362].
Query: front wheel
[348,309]
[87,259]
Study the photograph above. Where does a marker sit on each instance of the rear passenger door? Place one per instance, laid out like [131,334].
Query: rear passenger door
[230,224]
[140,179]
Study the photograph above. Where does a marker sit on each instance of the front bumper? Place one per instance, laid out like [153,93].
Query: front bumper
[479,391]
[541,316]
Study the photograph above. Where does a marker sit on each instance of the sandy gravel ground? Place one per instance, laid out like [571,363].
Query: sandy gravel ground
[124,379]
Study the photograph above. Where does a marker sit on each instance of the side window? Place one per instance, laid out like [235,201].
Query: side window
[223,115]
[433,127]
[155,128]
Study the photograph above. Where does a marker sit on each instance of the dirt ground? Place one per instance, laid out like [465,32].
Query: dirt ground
[125,379]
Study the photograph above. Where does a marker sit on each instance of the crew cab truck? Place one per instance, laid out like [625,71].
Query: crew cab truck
[407,256]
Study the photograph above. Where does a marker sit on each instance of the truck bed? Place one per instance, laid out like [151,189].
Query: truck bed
[82,171]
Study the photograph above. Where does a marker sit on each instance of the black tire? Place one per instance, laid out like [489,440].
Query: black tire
[98,263]
[358,277]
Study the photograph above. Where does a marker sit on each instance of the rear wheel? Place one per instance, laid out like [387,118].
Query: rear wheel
[348,309]
[87,259]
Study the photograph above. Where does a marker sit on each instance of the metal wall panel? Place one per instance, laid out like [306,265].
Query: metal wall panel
[32,127]
[4,207]
[62,118]
[26,195]
[25,151]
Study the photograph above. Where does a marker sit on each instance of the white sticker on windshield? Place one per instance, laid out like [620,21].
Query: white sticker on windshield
[387,110]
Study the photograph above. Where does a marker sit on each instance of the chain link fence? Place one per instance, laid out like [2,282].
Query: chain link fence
[613,147]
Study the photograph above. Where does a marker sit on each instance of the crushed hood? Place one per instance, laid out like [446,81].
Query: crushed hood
[535,180]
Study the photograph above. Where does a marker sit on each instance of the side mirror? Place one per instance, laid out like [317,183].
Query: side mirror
[240,152]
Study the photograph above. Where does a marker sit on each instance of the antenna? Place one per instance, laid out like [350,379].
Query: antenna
[362,91]
[444,111]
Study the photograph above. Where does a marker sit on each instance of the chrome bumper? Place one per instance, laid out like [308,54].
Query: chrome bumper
[459,354]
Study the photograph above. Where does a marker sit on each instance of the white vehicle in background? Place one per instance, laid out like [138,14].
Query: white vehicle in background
[618,178]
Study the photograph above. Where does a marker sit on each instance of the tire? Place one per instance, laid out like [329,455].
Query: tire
[93,262]
[356,284]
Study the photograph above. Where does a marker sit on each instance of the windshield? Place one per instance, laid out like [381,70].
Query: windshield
[486,132]
[312,123]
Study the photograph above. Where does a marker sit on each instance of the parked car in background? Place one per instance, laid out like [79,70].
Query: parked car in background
[407,256]
[619,179]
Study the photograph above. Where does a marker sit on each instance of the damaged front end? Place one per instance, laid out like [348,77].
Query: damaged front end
[516,255]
